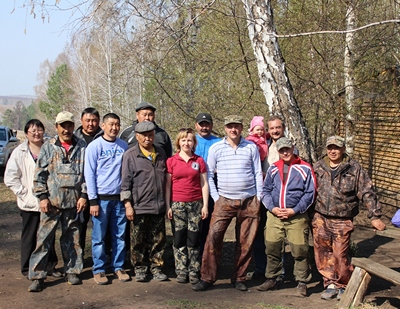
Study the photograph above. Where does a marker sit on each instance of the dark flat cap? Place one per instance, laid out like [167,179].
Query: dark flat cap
[145,126]
[145,105]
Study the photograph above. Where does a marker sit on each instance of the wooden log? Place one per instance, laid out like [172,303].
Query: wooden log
[392,232]
[362,290]
[352,288]
[377,269]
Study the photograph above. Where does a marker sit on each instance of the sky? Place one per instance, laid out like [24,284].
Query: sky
[26,42]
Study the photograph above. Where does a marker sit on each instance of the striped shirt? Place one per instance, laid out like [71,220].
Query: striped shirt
[238,170]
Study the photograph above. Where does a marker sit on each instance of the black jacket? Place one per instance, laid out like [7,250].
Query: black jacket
[161,138]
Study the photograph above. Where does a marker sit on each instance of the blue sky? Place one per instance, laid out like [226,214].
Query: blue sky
[26,42]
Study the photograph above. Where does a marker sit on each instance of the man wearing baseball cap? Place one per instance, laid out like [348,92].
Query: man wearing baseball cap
[204,126]
[60,186]
[147,112]
[289,190]
[342,185]
[236,195]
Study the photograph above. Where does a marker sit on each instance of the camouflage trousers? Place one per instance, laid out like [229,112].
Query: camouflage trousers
[246,212]
[186,230]
[148,241]
[69,242]
[331,249]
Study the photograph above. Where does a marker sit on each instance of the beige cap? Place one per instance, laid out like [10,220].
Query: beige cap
[64,117]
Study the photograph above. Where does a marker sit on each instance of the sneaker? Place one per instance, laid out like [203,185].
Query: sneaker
[193,278]
[240,286]
[100,278]
[269,284]
[202,286]
[302,289]
[36,286]
[159,275]
[182,278]
[73,279]
[330,292]
[122,275]
[340,293]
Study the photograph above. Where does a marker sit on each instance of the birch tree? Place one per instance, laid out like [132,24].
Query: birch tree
[274,80]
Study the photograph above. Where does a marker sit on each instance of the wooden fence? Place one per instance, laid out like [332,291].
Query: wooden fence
[377,147]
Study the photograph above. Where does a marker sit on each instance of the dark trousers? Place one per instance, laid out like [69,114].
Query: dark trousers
[30,225]
[205,225]
[259,256]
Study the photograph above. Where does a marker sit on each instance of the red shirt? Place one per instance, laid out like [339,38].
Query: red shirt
[185,177]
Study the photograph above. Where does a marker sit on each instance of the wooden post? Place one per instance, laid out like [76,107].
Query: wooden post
[362,290]
[352,288]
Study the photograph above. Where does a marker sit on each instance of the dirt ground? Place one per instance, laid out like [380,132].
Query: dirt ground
[58,294]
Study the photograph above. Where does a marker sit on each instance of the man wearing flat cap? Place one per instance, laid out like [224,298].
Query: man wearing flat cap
[60,186]
[342,185]
[146,112]
[237,195]
[288,192]
[143,194]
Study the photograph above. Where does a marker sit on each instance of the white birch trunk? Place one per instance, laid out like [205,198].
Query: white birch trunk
[274,81]
[349,82]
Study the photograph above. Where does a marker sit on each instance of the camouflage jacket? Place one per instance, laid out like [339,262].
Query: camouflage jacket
[58,175]
[341,196]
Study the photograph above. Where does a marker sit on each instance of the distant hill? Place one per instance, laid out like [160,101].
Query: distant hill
[8,102]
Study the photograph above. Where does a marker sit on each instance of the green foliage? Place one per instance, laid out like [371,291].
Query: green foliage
[207,65]
[59,93]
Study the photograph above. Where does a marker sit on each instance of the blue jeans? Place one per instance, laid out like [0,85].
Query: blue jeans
[112,214]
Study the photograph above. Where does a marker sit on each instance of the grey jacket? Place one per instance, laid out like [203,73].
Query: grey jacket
[143,181]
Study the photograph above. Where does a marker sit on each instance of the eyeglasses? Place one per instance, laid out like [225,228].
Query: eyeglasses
[187,130]
[36,132]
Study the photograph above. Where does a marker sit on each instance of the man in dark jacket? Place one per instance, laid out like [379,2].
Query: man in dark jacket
[146,112]
[88,131]
[342,185]
[143,194]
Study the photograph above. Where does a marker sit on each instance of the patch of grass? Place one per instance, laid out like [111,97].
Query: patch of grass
[185,304]
[354,250]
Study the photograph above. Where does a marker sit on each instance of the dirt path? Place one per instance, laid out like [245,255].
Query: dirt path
[58,294]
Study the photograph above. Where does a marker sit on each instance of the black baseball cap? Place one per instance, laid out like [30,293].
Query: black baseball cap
[204,117]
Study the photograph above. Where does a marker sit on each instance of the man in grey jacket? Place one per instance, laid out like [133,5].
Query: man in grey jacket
[143,194]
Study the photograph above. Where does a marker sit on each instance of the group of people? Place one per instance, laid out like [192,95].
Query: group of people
[129,183]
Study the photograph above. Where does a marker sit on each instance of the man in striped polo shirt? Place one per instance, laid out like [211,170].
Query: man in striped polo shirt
[237,194]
